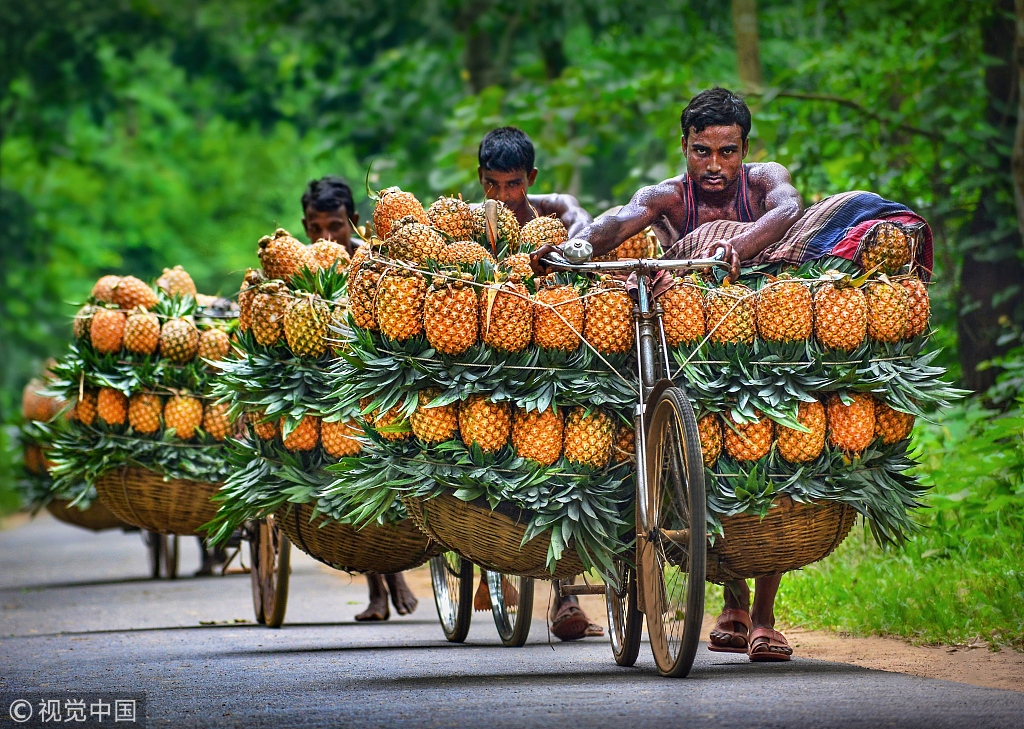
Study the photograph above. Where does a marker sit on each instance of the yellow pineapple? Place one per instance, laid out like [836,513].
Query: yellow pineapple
[83,321]
[495,227]
[390,425]
[434,424]
[144,410]
[546,230]
[608,318]
[892,425]
[484,422]
[340,439]
[784,310]
[588,437]
[216,421]
[537,435]
[179,340]
[453,217]
[111,406]
[851,428]
[888,310]
[281,255]
[307,326]
[625,444]
[106,330]
[451,316]
[518,264]
[176,282]
[639,246]
[466,252]
[749,441]
[214,345]
[183,414]
[393,204]
[684,318]
[142,332]
[920,307]
[305,436]
[253,278]
[413,241]
[85,408]
[130,293]
[263,428]
[840,315]
[797,447]
[362,295]
[887,247]
[323,254]
[506,316]
[399,304]
[103,290]
[268,310]
[730,314]
[557,318]
[709,428]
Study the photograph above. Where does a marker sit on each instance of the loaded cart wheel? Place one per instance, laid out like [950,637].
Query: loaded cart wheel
[672,544]
[270,556]
[625,621]
[512,606]
[452,579]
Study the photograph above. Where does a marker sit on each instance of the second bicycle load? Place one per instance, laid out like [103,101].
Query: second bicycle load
[144,432]
[291,324]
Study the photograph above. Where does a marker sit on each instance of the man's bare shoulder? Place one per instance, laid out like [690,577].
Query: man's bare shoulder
[662,194]
[768,174]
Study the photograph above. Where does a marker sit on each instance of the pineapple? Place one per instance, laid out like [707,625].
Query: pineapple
[413,241]
[434,424]
[784,310]
[306,326]
[130,293]
[730,314]
[639,246]
[142,332]
[518,265]
[363,295]
[214,344]
[183,414]
[103,290]
[888,310]
[495,227]
[920,307]
[399,304]
[608,319]
[797,447]
[111,406]
[709,428]
[340,439]
[851,428]
[466,252]
[625,444]
[263,428]
[144,411]
[338,332]
[537,435]
[892,425]
[886,247]
[749,441]
[83,321]
[506,316]
[548,230]
[216,421]
[323,254]
[557,318]
[305,436]
[589,437]
[253,278]
[840,316]
[268,310]
[393,204]
[85,408]
[683,318]
[176,282]
[485,423]
[451,317]
[106,330]
[179,340]
[281,255]
[453,217]
[391,425]
[34,459]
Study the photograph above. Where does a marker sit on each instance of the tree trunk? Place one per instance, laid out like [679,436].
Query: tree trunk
[748,57]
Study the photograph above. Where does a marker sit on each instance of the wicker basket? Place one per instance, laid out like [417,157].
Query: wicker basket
[790,536]
[374,548]
[96,517]
[491,539]
[144,499]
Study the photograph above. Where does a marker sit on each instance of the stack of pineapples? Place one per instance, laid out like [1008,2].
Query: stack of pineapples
[38,409]
[138,375]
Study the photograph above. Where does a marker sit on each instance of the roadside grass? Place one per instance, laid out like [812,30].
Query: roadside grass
[961,578]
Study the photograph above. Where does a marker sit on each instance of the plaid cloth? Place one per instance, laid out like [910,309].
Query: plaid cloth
[832,227]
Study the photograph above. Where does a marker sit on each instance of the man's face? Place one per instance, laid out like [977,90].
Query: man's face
[329,225]
[508,187]
[714,157]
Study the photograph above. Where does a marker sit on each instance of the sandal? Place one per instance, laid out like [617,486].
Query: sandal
[767,644]
[570,622]
[725,638]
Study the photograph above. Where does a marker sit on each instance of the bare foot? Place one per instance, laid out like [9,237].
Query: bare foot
[401,596]
[377,610]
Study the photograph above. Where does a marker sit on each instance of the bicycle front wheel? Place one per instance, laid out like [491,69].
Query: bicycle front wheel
[625,621]
[452,579]
[673,547]
[270,555]
[512,606]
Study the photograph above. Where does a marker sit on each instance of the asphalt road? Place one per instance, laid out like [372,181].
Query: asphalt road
[78,615]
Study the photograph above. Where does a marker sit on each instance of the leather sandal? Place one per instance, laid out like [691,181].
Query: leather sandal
[724,637]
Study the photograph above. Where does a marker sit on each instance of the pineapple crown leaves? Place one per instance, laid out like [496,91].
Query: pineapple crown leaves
[329,284]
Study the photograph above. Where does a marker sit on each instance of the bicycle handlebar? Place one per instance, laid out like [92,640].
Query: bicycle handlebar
[558,262]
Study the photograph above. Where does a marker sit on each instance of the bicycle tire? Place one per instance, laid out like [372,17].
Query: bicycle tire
[452,579]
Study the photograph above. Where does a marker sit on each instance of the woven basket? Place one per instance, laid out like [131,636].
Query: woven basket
[374,548]
[491,539]
[144,499]
[790,536]
[97,517]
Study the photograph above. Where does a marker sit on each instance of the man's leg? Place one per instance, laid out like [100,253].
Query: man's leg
[401,596]
[568,621]
[733,626]
[766,643]
[378,607]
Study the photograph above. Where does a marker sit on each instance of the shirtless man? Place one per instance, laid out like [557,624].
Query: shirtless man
[716,186]
[506,172]
[329,212]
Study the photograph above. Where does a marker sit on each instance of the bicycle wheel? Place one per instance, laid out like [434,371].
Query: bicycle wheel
[154,549]
[452,579]
[625,621]
[673,547]
[170,556]
[270,555]
[512,606]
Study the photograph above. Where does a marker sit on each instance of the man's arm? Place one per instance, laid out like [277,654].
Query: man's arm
[566,207]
